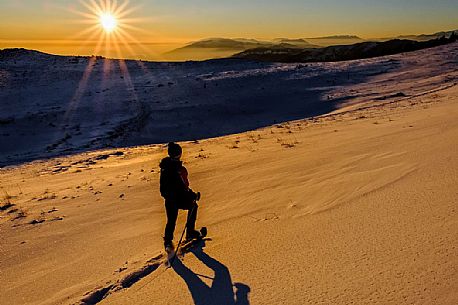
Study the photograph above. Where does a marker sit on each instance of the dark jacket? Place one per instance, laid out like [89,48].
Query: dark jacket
[174,184]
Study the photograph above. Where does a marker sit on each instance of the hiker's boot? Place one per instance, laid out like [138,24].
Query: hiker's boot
[168,245]
[192,234]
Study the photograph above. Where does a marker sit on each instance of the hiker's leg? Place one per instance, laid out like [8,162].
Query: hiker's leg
[172,214]
[192,216]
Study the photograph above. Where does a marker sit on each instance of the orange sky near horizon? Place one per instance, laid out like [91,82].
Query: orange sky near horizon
[159,26]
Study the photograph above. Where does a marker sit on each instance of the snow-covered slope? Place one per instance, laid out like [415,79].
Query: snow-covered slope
[52,105]
[357,206]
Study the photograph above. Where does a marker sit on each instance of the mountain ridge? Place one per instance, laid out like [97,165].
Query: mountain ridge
[342,53]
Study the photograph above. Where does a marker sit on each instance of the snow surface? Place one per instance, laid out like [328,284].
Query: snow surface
[356,206]
[54,105]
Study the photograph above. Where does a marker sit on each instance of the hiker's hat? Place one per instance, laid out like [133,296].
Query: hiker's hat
[174,150]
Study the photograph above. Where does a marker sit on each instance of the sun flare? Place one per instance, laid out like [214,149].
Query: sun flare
[108,22]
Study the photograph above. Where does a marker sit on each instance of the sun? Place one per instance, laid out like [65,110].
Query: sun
[108,22]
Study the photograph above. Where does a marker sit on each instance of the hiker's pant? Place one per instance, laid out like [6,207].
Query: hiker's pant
[171,209]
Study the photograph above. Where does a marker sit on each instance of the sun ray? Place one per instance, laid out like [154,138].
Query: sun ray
[114,6]
[83,82]
[102,5]
[110,21]
[82,14]
[93,30]
[109,25]
[86,5]
[79,90]
[93,6]
[118,50]
[121,8]
[121,39]
[89,41]
[126,77]
[128,11]
[133,20]
[133,40]
[87,22]
[107,5]
[133,28]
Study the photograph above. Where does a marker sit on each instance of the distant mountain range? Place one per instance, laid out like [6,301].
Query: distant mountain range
[225,47]
[302,43]
[284,49]
[342,52]
[425,37]
[226,43]
[337,37]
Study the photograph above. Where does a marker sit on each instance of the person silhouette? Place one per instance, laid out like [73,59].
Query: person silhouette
[174,187]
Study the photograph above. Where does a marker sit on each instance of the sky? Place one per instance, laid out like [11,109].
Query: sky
[57,24]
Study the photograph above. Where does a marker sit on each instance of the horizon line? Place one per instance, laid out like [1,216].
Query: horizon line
[182,40]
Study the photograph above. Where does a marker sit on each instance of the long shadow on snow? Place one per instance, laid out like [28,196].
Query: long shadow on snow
[221,291]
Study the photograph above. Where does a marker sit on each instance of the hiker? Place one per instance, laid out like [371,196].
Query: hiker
[174,187]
